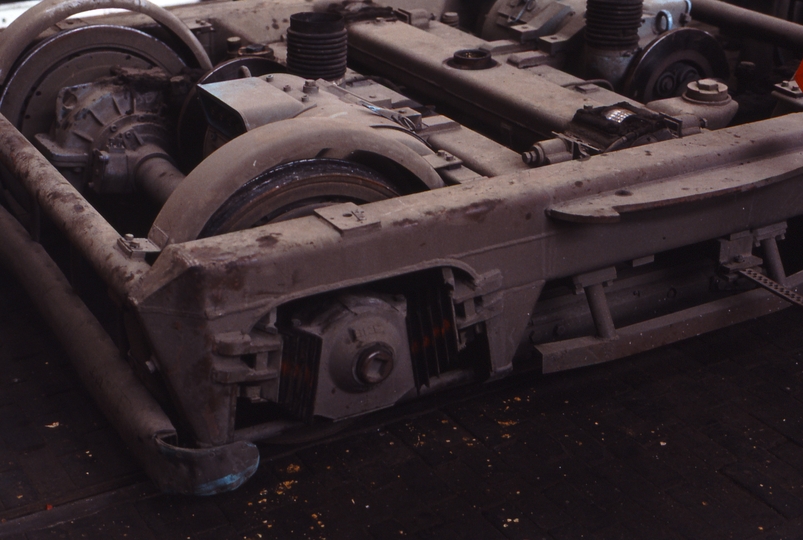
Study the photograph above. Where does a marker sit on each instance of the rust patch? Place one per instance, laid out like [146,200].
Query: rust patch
[406,222]
[478,211]
[233,279]
[268,240]
[295,279]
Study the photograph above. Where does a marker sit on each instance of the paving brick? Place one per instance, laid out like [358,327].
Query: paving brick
[540,444]
[765,489]
[17,430]
[577,530]
[703,448]
[469,486]
[482,427]
[710,510]
[75,411]
[256,499]
[102,456]
[580,445]
[16,489]
[774,407]
[578,506]
[781,472]
[792,530]
[651,420]
[301,522]
[640,522]
[597,489]
[781,329]
[118,522]
[685,523]
[421,481]
[601,426]
[654,467]
[49,534]
[390,528]
[464,526]
[632,484]
[172,517]
[736,373]
[542,511]
[428,437]
[791,454]
[272,530]
[529,467]
[513,524]
[224,532]
[46,475]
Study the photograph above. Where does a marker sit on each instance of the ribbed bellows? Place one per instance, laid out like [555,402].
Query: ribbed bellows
[613,24]
[316,45]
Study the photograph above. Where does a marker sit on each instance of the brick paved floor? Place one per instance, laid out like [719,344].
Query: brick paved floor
[701,440]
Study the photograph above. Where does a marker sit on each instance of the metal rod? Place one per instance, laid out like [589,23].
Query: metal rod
[95,357]
[138,418]
[600,311]
[265,431]
[749,23]
[773,259]
[84,227]
[158,178]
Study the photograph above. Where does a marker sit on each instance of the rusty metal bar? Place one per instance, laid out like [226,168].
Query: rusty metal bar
[72,214]
[600,311]
[138,418]
[158,178]
[660,331]
[772,258]
[749,23]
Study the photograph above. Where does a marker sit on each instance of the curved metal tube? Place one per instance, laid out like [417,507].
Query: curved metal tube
[39,18]
[138,418]
[756,25]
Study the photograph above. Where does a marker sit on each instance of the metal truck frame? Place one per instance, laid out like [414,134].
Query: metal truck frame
[477,265]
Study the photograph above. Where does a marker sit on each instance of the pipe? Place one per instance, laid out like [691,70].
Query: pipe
[84,227]
[600,311]
[158,177]
[749,23]
[138,418]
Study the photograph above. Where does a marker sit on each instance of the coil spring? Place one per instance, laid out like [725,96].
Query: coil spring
[316,45]
[613,24]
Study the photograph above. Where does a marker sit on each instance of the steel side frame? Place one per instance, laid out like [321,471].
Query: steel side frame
[491,227]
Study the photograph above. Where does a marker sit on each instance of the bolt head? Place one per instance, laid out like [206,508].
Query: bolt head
[708,85]
[707,90]
[374,364]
